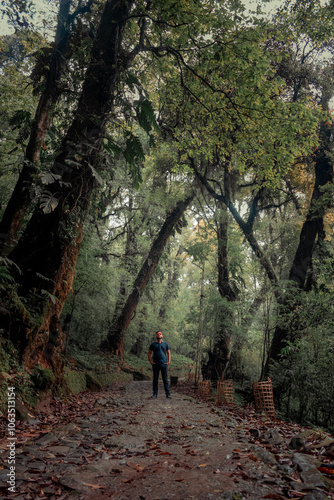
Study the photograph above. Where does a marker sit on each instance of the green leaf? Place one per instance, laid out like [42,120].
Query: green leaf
[134,155]
[111,147]
[49,178]
[5,276]
[53,298]
[96,175]
[48,202]
[146,118]
[132,80]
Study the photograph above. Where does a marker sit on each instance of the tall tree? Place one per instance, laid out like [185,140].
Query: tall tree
[301,274]
[55,59]
[48,250]
[116,335]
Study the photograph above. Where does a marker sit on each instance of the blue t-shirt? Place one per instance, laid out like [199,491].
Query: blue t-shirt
[159,352]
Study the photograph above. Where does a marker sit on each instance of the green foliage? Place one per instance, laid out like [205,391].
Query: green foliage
[304,377]
[43,378]
[134,156]
[13,374]
[75,381]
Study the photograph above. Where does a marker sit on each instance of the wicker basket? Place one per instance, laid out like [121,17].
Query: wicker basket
[225,391]
[264,399]
[204,388]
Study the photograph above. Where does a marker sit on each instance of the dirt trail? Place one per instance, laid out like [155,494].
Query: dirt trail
[135,447]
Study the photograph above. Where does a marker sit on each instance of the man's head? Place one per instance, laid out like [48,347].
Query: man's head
[159,335]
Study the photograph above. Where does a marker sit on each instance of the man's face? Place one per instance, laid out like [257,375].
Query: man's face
[159,336]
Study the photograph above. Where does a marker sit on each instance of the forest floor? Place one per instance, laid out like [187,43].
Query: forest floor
[121,444]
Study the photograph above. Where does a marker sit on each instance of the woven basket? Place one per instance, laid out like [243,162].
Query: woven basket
[204,388]
[264,398]
[225,391]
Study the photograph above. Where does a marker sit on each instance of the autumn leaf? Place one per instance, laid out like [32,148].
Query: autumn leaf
[95,486]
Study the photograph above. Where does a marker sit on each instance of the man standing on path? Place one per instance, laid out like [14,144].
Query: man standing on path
[161,360]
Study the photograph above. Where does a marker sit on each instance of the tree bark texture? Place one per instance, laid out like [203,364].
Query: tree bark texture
[48,249]
[115,339]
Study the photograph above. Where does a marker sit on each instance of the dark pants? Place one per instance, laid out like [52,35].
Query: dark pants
[164,373]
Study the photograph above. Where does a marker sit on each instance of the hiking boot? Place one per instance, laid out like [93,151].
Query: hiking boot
[168,396]
[154,396]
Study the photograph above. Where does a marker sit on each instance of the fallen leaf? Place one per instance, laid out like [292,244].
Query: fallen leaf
[180,479]
[203,465]
[95,486]
[326,470]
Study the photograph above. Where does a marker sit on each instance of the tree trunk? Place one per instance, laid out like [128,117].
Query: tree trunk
[128,268]
[246,227]
[47,251]
[115,339]
[21,198]
[219,356]
[198,360]
[173,275]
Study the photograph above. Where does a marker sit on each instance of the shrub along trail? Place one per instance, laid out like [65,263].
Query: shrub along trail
[121,444]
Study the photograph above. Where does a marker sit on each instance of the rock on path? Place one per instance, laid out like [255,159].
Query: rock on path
[138,448]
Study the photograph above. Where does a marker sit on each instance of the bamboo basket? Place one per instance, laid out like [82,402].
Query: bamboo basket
[204,388]
[225,392]
[264,398]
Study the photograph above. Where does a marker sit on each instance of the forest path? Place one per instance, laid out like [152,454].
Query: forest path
[124,445]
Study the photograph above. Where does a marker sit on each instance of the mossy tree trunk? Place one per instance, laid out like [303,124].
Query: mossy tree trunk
[21,198]
[48,249]
[219,356]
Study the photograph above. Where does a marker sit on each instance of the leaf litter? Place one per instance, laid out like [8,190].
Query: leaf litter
[119,444]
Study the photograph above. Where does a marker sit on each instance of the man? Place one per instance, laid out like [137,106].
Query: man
[161,360]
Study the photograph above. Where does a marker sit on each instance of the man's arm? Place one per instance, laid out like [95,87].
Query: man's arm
[168,357]
[150,357]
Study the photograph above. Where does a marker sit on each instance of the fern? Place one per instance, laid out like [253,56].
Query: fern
[134,155]
[5,262]
[5,277]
